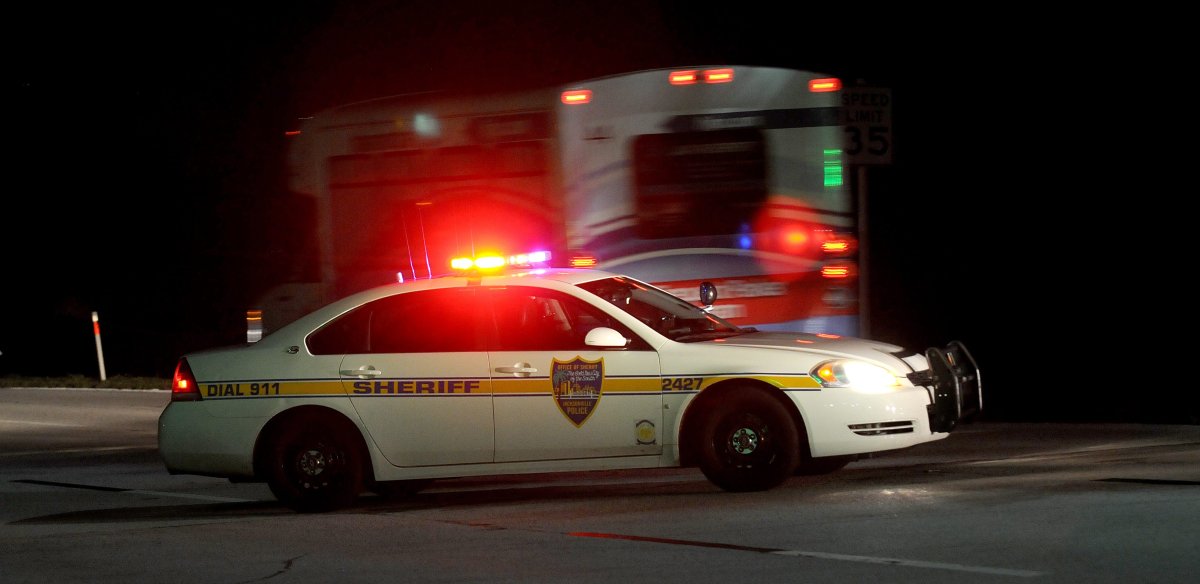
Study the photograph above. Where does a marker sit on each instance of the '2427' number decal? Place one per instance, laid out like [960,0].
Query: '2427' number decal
[681,383]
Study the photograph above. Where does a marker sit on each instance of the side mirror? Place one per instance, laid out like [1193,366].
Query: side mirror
[605,338]
[708,294]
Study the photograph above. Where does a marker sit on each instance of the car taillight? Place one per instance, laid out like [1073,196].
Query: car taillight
[183,384]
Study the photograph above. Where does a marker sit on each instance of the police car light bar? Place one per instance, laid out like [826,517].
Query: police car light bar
[494,262]
[489,262]
[528,259]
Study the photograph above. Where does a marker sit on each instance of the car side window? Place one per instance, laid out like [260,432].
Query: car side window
[432,321]
[346,334]
[537,319]
[429,321]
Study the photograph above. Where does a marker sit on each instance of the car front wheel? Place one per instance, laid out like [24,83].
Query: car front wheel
[749,444]
[315,466]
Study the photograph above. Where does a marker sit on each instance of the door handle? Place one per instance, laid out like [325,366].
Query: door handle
[363,373]
[517,369]
[520,369]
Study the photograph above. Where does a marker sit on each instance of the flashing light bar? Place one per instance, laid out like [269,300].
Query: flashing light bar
[495,262]
[824,85]
[577,96]
[525,259]
[489,262]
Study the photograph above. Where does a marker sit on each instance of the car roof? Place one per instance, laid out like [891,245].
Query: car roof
[543,277]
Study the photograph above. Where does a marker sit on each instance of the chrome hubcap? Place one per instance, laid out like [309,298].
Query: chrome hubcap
[744,441]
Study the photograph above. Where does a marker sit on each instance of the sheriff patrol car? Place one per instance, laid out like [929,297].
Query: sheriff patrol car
[544,370]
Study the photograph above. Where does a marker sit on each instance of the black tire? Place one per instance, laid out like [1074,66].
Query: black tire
[749,444]
[315,465]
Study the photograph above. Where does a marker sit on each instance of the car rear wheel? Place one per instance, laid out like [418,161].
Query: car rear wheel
[749,444]
[315,465]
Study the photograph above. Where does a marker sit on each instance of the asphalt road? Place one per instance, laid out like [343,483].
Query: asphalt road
[84,498]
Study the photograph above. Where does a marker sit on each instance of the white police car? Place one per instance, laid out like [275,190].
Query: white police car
[544,370]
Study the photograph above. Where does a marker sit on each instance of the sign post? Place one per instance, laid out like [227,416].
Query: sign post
[867,122]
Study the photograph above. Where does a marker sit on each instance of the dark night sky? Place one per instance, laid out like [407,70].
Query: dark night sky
[149,157]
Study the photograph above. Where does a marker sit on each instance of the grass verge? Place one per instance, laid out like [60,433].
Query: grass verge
[114,382]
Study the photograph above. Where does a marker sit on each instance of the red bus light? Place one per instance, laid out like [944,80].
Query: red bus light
[583,260]
[835,247]
[683,77]
[837,271]
[718,76]
[839,245]
[825,84]
[577,96]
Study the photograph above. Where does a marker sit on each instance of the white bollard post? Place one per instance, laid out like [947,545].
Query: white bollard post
[99,349]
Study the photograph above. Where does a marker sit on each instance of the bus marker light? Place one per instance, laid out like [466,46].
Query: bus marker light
[824,85]
[577,96]
[583,261]
[683,77]
[718,76]
[836,272]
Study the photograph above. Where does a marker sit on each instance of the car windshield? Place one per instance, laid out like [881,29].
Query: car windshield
[670,315]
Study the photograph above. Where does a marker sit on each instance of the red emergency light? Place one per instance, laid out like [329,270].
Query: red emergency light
[495,262]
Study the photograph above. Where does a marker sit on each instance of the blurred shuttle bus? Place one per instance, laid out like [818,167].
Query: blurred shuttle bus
[733,175]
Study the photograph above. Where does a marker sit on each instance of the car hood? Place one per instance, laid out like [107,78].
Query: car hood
[835,346]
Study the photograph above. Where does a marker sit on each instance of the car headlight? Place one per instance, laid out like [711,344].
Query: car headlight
[856,375]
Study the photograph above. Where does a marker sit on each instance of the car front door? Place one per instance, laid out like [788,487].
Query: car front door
[554,397]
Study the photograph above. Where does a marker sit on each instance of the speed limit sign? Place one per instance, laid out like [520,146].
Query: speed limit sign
[868,125]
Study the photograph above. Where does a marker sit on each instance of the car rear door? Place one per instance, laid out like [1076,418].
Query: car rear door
[422,386]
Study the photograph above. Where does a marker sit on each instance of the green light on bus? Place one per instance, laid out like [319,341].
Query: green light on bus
[833,167]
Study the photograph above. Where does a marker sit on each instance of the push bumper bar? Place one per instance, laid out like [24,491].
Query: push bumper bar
[953,377]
